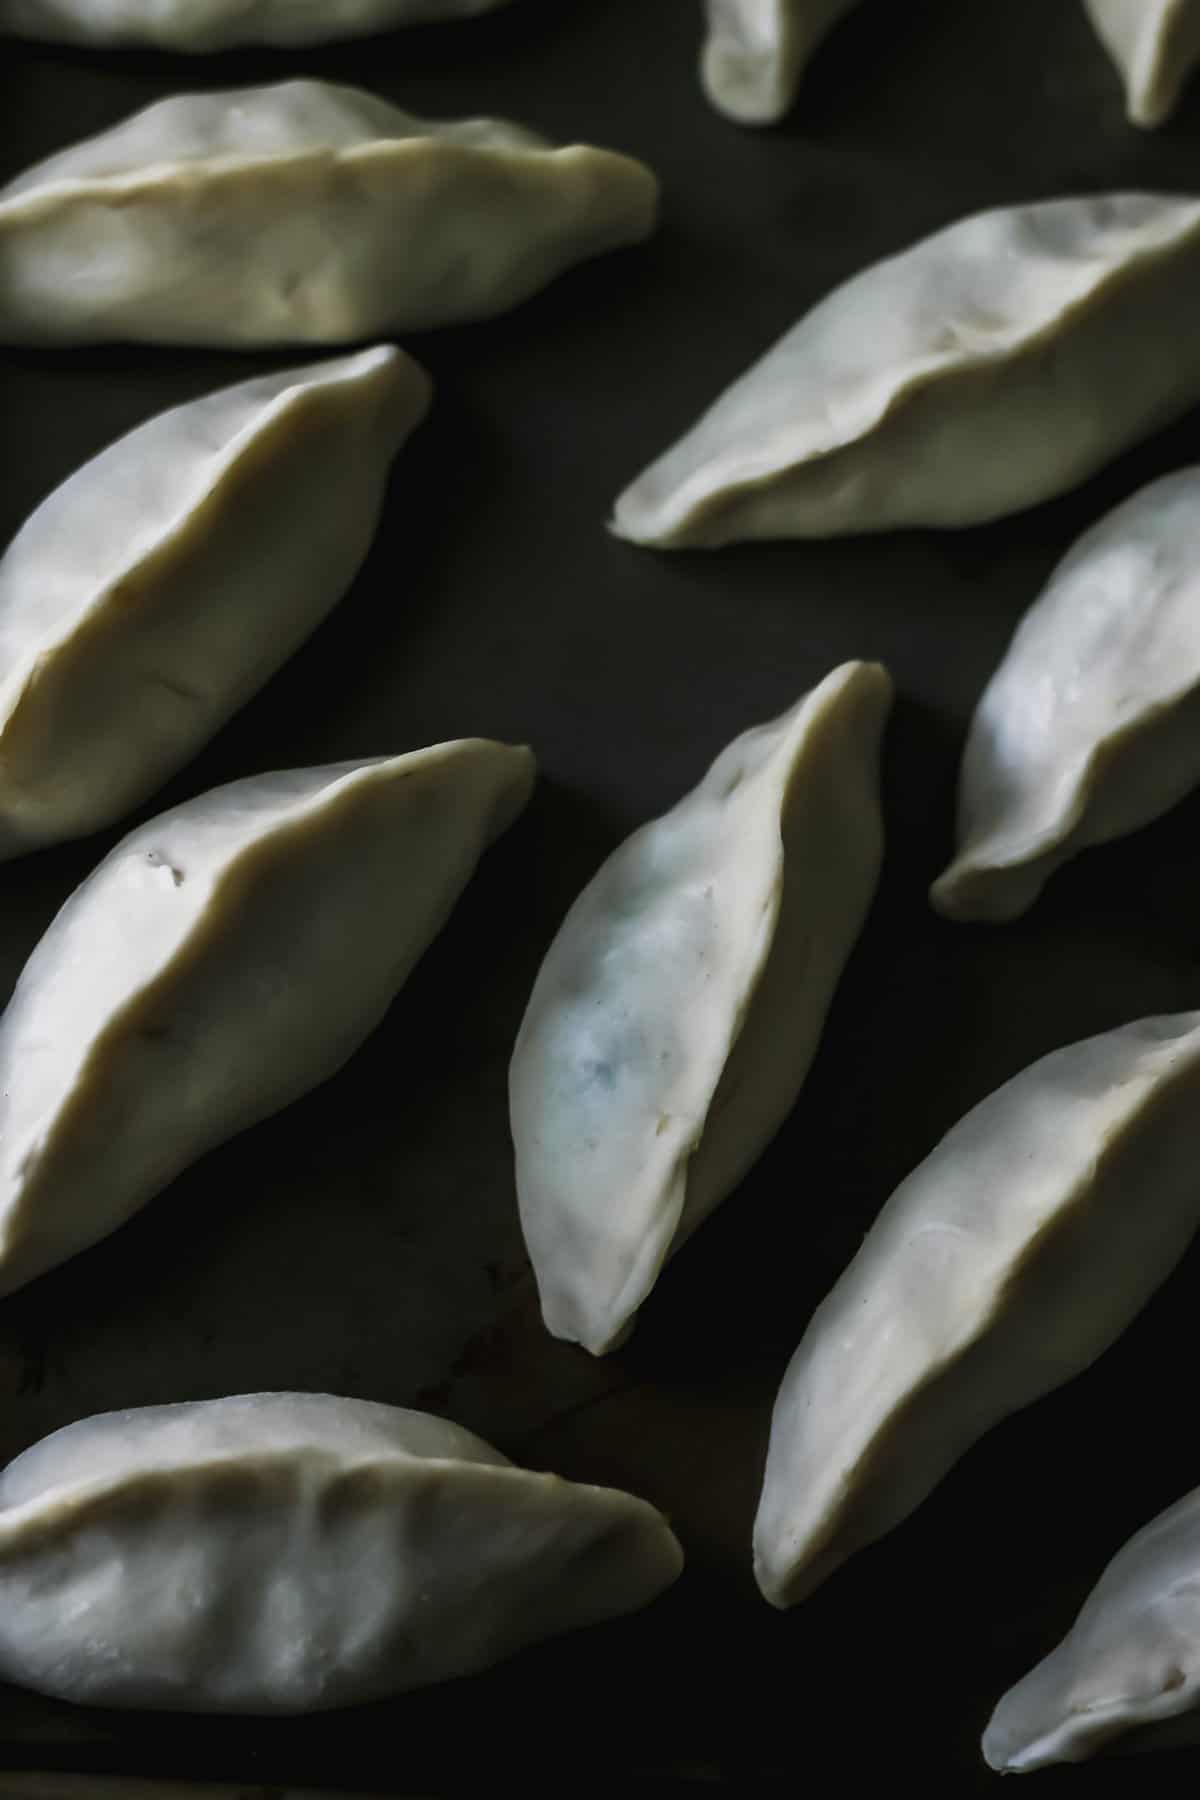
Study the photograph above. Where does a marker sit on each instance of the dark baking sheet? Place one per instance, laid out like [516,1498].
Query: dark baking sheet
[366,1241]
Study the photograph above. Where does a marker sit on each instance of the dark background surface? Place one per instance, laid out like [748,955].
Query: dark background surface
[365,1242]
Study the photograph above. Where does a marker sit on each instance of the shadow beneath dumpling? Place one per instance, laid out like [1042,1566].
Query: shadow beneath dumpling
[1060,522]
[1137,895]
[862,60]
[774,1247]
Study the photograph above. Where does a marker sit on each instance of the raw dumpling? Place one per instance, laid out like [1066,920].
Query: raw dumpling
[678,1009]
[998,363]
[1005,1264]
[299,213]
[283,1553]
[1091,724]
[222,24]
[1155,45]
[158,588]
[757,50]
[221,961]
[1131,1661]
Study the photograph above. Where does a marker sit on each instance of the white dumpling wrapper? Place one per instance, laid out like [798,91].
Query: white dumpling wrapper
[223,959]
[756,52]
[679,1007]
[302,212]
[1090,726]
[996,364]
[283,1553]
[196,25]
[1130,1662]
[1003,1266]
[1155,45]
[159,587]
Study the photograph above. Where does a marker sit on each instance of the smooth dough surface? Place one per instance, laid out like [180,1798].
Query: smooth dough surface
[677,1011]
[1130,1662]
[1014,1255]
[756,52]
[283,1553]
[157,589]
[1155,45]
[1090,727]
[223,959]
[193,25]
[301,212]
[994,365]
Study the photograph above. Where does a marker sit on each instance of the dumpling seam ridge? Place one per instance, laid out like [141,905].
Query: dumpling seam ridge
[889,400]
[292,400]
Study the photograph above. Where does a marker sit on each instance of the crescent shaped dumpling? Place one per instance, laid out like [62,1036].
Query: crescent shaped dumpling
[287,1553]
[1155,45]
[1090,726]
[1003,1266]
[756,52]
[197,25]
[1130,1662]
[159,587]
[677,1011]
[994,365]
[223,959]
[302,212]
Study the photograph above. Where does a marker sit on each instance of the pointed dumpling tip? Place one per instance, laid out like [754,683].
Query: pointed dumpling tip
[968,894]
[742,82]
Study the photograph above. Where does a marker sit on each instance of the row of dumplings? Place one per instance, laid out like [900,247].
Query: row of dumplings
[990,367]
[161,585]
[753,59]
[663,1042]
[231,954]
[284,1553]
[678,1010]
[886,406]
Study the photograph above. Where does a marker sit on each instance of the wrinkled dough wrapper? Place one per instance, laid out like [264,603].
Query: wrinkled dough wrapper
[1005,1264]
[677,1011]
[997,363]
[299,213]
[1090,727]
[194,25]
[1131,1661]
[158,589]
[282,1553]
[1155,45]
[225,958]
[757,50]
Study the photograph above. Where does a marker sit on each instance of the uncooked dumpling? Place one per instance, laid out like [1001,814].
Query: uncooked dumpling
[222,24]
[221,961]
[157,589]
[757,50]
[1090,727]
[284,1553]
[1005,1264]
[1156,47]
[994,365]
[299,213]
[1130,1662]
[677,1011]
